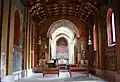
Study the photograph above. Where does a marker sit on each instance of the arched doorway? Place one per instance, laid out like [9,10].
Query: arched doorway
[63,30]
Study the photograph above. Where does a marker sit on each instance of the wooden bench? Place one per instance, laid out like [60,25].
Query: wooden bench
[78,69]
[51,71]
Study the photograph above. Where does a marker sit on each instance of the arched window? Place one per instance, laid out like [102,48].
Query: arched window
[111,28]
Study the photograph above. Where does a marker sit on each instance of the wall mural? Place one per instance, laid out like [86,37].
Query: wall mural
[18,39]
[62,49]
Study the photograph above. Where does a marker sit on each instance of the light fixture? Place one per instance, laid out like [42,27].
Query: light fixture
[89,41]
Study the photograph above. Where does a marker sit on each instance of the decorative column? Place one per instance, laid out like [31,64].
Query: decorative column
[49,58]
[101,42]
[28,45]
[25,65]
[78,50]
[11,38]
[1,13]
[117,30]
[35,46]
[4,36]
[32,45]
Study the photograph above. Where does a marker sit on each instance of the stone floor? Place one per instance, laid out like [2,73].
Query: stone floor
[63,77]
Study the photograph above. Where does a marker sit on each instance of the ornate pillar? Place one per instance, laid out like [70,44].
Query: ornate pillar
[11,38]
[35,46]
[49,54]
[101,42]
[1,13]
[78,50]
[25,66]
[4,35]
[28,42]
[117,30]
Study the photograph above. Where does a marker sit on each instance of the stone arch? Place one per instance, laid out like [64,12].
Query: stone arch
[62,23]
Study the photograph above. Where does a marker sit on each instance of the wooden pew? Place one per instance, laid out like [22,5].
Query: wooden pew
[78,69]
[51,71]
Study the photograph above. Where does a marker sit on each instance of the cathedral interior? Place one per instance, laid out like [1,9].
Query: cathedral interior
[41,37]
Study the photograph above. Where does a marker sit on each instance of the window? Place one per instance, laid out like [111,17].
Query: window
[111,40]
[94,37]
[111,28]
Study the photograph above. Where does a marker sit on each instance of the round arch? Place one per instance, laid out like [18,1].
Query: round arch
[63,23]
[110,27]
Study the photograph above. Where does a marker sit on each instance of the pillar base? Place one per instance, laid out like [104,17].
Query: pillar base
[9,78]
[27,73]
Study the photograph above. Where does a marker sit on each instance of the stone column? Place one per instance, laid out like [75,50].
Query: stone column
[25,42]
[28,43]
[101,38]
[33,44]
[35,47]
[117,30]
[49,58]
[1,13]
[78,50]
[4,35]
[11,38]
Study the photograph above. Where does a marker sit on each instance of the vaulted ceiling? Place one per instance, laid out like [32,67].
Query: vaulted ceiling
[41,10]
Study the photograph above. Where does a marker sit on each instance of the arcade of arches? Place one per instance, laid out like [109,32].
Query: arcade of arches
[70,32]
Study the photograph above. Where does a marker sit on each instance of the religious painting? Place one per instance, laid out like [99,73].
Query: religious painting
[62,48]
